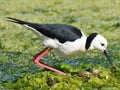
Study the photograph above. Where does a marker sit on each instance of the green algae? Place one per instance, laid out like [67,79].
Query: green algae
[17,45]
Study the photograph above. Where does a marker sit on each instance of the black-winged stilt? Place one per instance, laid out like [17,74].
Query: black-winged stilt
[66,39]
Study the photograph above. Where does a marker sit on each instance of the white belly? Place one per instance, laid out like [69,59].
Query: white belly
[71,48]
[66,48]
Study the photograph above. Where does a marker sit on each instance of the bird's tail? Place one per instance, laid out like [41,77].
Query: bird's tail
[33,26]
[10,19]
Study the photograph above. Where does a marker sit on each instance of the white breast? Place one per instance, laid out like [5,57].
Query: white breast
[71,48]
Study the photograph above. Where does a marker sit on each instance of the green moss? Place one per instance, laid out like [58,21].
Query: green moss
[18,45]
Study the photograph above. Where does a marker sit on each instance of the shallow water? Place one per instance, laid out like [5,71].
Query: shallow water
[12,71]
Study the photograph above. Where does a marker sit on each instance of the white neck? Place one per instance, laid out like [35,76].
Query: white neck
[91,47]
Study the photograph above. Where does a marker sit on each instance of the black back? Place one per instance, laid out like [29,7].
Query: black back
[62,32]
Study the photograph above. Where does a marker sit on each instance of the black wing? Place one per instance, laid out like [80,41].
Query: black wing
[62,32]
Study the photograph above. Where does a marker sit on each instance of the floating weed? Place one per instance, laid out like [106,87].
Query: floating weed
[47,80]
[51,81]
[87,72]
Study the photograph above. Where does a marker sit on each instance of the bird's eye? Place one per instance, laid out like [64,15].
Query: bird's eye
[102,44]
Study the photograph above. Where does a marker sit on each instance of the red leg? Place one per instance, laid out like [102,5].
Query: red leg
[41,55]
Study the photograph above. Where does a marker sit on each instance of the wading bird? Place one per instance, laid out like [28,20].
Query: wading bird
[65,39]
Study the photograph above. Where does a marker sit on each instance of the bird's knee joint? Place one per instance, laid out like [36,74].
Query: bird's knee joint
[36,61]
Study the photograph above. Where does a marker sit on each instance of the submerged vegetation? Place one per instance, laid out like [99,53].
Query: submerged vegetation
[85,72]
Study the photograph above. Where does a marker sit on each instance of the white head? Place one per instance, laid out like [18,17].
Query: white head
[99,42]
[96,41]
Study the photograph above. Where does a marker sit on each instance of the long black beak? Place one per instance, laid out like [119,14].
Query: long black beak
[105,53]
